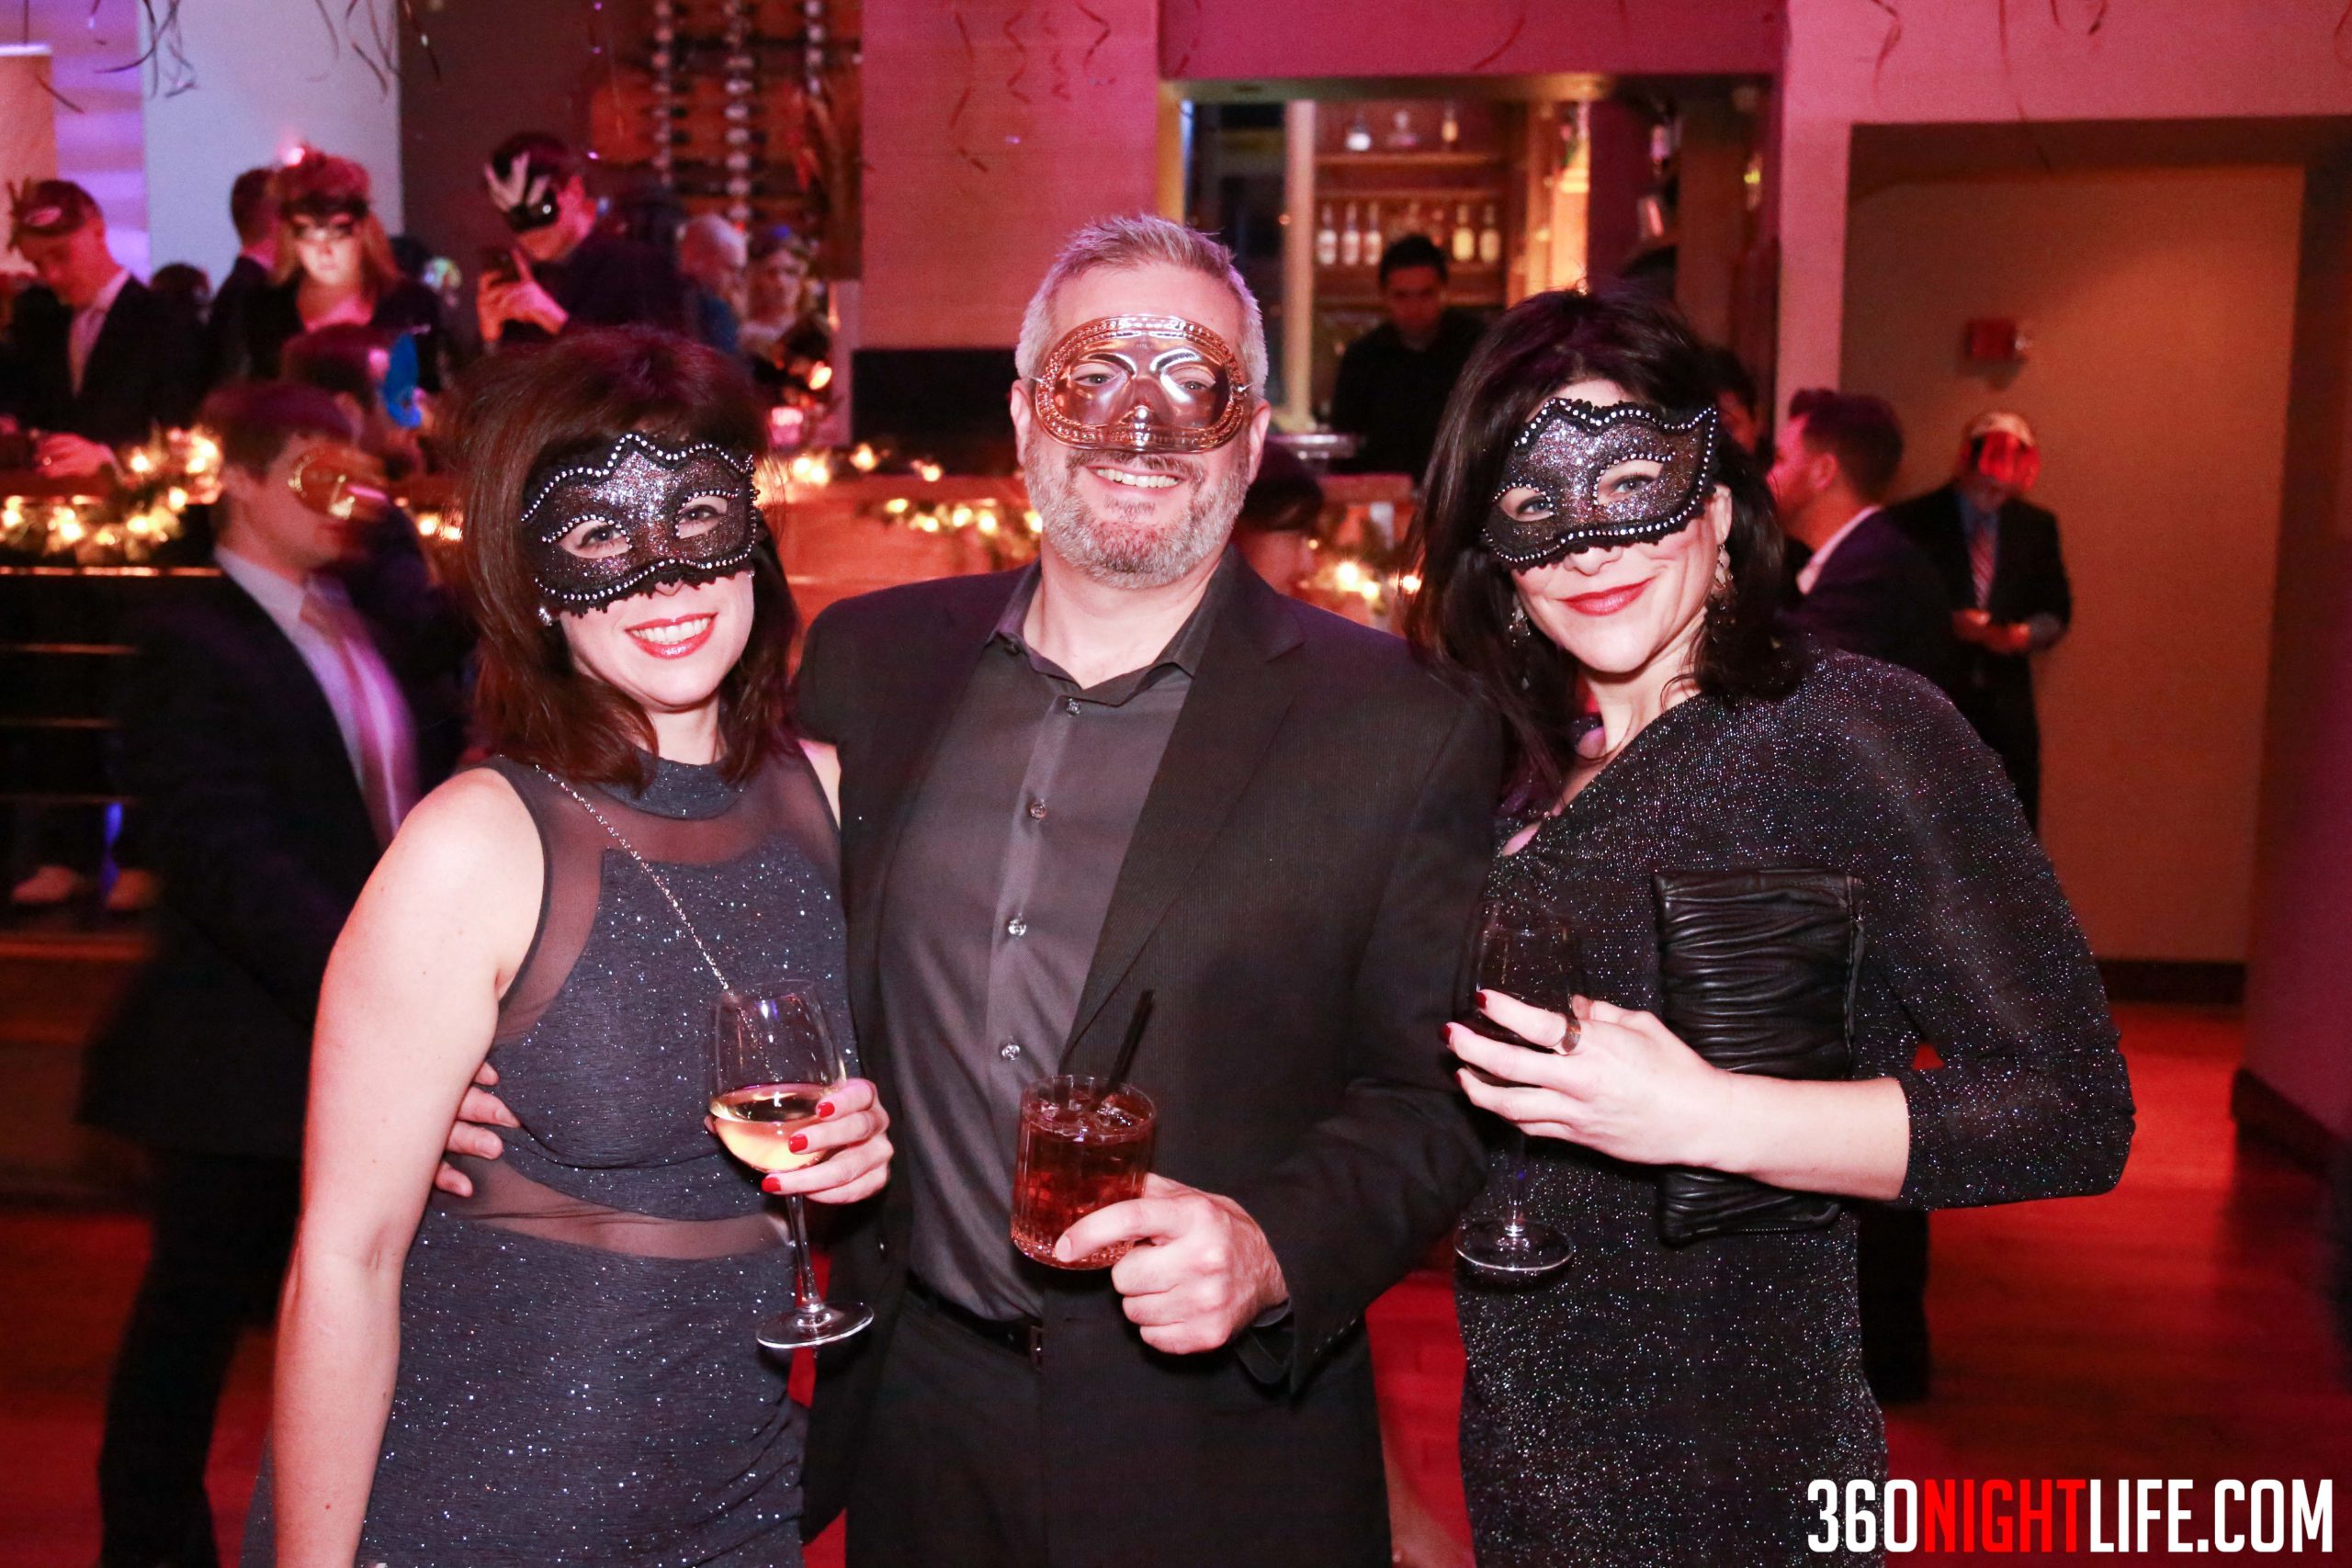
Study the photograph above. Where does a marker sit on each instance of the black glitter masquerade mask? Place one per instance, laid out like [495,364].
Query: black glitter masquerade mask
[640,513]
[1582,476]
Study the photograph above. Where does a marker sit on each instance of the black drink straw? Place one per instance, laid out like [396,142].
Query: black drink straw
[1120,1068]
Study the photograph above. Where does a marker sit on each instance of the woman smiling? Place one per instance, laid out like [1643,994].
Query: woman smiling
[1801,865]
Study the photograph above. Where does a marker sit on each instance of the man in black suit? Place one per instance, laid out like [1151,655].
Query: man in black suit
[274,734]
[93,360]
[2005,584]
[255,212]
[1134,768]
[1395,380]
[1862,585]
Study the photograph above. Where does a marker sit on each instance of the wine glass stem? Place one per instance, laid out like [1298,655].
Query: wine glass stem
[807,1297]
[1515,1151]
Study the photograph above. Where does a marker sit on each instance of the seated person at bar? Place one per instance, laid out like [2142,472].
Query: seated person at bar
[92,359]
[275,734]
[564,272]
[1395,380]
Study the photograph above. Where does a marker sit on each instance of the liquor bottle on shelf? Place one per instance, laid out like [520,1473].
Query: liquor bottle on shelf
[1327,239]
[1466,243]
[1402,137]
[1358,137]
[1350,239]
[1412,223]
[1449,129]
[1373,236]
[1490,238]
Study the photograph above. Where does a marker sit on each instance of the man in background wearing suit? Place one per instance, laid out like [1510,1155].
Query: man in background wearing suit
[274,736]
[254,213]
[1131,769]
[2004,582]
[1862,585]
[93,360]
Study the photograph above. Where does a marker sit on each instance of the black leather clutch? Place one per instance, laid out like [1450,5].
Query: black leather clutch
[1756,974]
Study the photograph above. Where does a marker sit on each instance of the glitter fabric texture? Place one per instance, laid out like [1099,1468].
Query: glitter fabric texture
[1648,1406]
[1582,480]
[578,1381]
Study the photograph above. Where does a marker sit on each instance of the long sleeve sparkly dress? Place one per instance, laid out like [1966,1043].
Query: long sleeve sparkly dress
[1660,1406]
[578,1379]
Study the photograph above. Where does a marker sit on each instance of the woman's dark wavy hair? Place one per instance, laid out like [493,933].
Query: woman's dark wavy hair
[1459,619]
[518,411]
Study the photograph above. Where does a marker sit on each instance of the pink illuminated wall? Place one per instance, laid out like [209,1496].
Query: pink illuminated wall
[1208,39]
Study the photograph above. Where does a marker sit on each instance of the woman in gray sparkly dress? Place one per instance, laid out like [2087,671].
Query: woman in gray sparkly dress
[558,1366]
[1666,1397]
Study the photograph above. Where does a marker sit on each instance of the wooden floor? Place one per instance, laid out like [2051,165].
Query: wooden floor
[2175,1329]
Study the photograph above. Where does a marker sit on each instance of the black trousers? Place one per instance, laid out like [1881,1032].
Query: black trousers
[1891,1266]
[223,1226]
[952,1470]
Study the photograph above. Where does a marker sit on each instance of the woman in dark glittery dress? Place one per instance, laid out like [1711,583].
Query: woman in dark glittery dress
[555,1362]
[1658,1405]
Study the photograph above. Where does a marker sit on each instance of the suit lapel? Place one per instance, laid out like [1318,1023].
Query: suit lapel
[1230,716]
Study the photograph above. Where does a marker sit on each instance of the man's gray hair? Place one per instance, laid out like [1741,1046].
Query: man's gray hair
[1140,239]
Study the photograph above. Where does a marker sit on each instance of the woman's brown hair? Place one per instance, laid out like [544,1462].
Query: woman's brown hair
[319,185]
[1460,619]
[518,412]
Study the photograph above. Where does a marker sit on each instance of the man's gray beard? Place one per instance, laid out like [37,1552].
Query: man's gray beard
[1116,552]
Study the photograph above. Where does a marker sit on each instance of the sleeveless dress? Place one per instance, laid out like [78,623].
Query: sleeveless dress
[578,1379]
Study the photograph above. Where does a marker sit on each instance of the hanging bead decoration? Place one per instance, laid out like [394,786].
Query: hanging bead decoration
[664,63]
[736,28]
[812,47]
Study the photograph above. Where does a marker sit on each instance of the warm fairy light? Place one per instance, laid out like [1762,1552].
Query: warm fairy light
[1348,576]
[1409,583]
[896,506]
[820,377]
[987,525]
[927,470]
[1037,524]
[140,463]
[862,458]
[176,497]
[961,517]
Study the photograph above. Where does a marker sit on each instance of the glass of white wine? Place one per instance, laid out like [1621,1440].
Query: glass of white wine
[773,1062]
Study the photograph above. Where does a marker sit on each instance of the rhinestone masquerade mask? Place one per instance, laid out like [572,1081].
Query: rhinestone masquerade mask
[637,514]
[1141,384]
[1583,477]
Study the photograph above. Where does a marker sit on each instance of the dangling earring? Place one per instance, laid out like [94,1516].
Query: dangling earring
[1721,592]
[545,619]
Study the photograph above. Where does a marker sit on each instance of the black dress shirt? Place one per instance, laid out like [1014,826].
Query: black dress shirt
[1391,395]
[1021,828]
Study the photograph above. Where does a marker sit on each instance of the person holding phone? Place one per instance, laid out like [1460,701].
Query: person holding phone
[564,272]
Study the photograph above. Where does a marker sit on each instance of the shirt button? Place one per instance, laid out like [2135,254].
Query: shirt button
[1037,811]
[1009,1050]
[1071,704]
[1016,927]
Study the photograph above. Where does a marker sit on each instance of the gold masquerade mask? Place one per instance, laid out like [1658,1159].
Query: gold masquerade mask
[1141,384]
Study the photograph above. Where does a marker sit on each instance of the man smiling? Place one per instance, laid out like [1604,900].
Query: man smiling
[1113,774]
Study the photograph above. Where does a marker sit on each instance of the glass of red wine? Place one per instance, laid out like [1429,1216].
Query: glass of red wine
[773,1062]
[1528,952]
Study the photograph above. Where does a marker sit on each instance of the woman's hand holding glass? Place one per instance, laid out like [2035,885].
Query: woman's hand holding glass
[1627,1087]
[852,1124]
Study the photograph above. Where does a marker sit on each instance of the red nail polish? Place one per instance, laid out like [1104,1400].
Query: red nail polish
[824,1110]
[797,1143]
[770,1185]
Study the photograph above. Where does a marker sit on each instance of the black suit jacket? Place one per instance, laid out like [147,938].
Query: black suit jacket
[145,370]
[1878,595]
[2029,578]
[1298,894]
[259,832]
[226,356]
